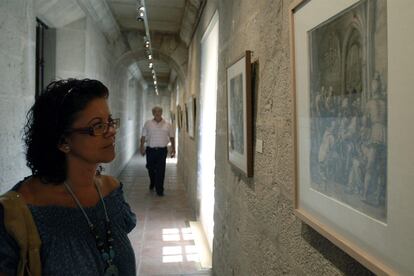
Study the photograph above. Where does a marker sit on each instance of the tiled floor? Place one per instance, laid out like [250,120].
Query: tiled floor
[162,240]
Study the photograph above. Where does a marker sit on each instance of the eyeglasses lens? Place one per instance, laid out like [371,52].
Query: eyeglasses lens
[103,128]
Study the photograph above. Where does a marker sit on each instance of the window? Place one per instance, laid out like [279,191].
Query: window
[40,57]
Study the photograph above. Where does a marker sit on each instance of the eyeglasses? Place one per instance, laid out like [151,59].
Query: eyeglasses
[97,129]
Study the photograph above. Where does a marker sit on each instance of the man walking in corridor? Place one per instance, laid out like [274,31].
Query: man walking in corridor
[156,133]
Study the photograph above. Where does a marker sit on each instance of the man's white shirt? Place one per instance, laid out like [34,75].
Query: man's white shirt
[157,134]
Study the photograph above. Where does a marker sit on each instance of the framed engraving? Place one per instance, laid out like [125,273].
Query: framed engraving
[347,185]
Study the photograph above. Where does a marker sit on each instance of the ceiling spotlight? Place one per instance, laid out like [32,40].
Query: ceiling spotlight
[142,16]
[141,11]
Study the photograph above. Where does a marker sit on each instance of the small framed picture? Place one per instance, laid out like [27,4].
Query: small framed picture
[239,115]
[190,112]
[179,117]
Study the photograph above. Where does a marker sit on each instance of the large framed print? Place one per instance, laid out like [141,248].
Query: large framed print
[352,84]
[239,115]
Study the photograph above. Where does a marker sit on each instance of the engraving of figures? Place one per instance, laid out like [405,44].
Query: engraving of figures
[236,114]
[326,155]
[375,175]
[348,107]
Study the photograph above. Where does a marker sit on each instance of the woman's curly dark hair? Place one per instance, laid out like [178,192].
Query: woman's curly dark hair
[53,112]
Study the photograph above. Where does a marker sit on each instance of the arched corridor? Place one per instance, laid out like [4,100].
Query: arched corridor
[292,121]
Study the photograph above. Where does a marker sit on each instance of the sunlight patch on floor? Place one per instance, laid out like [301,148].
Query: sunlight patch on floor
[179,253]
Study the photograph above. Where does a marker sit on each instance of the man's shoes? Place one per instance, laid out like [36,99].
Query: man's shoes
[160,194]
[151,187]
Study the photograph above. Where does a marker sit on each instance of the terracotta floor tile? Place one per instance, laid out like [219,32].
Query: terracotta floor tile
[161,240]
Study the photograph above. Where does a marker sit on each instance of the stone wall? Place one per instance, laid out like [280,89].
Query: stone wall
[187,158]
[256,231]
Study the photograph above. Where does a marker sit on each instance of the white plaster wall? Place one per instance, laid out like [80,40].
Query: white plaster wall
[100,58]
[70,50]
[17,89]
[81,51]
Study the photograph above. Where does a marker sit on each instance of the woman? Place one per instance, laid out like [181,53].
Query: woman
[81,216]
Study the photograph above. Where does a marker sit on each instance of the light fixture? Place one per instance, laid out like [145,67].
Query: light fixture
[141,11]
[142,14]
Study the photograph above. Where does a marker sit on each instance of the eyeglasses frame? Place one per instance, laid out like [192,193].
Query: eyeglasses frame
[114,123]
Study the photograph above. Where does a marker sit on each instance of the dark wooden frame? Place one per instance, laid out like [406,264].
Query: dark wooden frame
[179,117]
[190,106]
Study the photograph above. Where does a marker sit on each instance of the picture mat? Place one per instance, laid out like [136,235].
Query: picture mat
[393,242]
[348,118]
[236,158]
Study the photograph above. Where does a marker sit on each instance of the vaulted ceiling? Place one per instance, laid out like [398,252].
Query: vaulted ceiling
[171,26]
[163,15]
[172,19]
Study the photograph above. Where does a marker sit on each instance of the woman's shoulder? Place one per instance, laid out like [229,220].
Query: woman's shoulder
[25,188]
[36,193]
[109,184]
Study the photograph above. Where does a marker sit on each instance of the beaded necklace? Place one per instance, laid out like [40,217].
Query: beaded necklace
[106,250]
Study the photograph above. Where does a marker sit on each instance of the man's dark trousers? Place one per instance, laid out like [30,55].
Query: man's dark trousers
[156,158]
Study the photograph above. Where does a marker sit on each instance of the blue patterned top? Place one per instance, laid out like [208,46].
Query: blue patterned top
[68,247]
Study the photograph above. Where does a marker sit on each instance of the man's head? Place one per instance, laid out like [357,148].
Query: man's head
[157,112]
